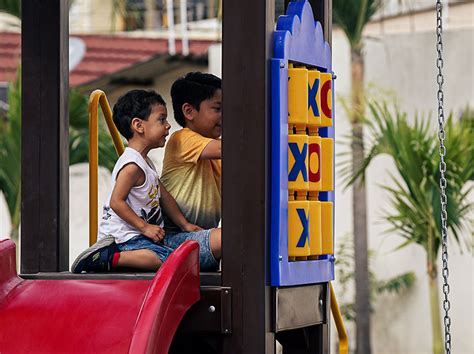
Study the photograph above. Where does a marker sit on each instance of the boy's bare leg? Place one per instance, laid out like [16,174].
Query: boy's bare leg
[139,259]
[216,243]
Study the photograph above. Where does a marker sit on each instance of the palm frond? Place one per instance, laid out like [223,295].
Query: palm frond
[12,7]
[79,134]
[10,144]
[414,192]
[352,16]
[396,284]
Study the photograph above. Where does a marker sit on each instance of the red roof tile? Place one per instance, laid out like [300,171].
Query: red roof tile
[9,55]
[104,54]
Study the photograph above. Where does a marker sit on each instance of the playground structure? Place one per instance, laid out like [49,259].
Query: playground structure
[126,316]
[275,279]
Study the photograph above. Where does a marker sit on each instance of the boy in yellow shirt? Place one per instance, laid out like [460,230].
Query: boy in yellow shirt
[192,163]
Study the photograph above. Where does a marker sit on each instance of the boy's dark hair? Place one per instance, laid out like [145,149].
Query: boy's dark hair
[194,88]
[134,104]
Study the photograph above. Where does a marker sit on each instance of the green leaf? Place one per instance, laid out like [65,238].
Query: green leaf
[12,7]
[414,191]
[352,16]
[10,144]
[396,284]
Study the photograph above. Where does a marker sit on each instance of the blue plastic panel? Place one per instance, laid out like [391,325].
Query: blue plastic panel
[297,39]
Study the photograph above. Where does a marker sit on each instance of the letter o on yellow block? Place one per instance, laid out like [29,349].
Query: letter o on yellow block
[326,99]
[314,165]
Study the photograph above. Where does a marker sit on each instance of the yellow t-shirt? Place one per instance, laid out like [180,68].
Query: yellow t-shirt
[194,183]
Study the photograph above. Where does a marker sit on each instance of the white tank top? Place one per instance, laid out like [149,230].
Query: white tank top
[144,200]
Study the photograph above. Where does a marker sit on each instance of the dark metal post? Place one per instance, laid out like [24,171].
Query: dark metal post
[247,35]
[45,139]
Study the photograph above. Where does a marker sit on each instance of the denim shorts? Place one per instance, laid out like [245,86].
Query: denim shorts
[142,242]
[207,261]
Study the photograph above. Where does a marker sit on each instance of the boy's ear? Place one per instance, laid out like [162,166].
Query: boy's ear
[136,125]
[188,109]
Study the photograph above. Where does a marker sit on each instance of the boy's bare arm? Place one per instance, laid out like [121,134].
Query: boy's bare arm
[212,151]
[171,208]
[129,176]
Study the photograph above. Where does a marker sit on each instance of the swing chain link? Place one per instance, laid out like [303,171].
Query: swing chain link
[443,181]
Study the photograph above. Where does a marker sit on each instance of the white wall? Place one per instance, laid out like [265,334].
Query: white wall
[405,65]
[9,23]
[215,57]
[5,224]
[93,17]
[79,205]
[458,15]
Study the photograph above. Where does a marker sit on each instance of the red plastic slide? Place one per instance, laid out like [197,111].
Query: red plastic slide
[96,316]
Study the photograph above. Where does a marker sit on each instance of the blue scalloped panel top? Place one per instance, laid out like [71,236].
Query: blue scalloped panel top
[299,38]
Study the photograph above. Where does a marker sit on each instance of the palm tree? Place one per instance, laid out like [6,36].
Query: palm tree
[10,146]
[416,197]
[351,17]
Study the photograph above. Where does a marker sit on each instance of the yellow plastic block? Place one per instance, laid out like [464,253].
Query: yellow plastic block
[314,166]
[326,227]
[315,238]
[298,98]
[314,115]
[298,164]
[327,164]
[326,99]
[298,229]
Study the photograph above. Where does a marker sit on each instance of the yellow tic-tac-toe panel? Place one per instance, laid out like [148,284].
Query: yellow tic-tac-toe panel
[326,227]
[298,229]
[315,238]
[314,115]
[298,163]
[314,166]
[327,164]
[298,98]
[326,99]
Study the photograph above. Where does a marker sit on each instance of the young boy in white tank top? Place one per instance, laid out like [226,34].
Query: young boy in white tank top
[131,231]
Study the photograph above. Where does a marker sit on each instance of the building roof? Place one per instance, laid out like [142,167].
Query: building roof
[105,54]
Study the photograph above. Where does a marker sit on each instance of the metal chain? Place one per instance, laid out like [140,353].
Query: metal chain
[442,180]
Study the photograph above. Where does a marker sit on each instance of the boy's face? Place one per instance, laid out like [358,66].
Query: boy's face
[208,120]
[156,128]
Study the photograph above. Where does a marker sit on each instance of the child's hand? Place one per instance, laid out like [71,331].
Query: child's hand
[153,232]
[191,227]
